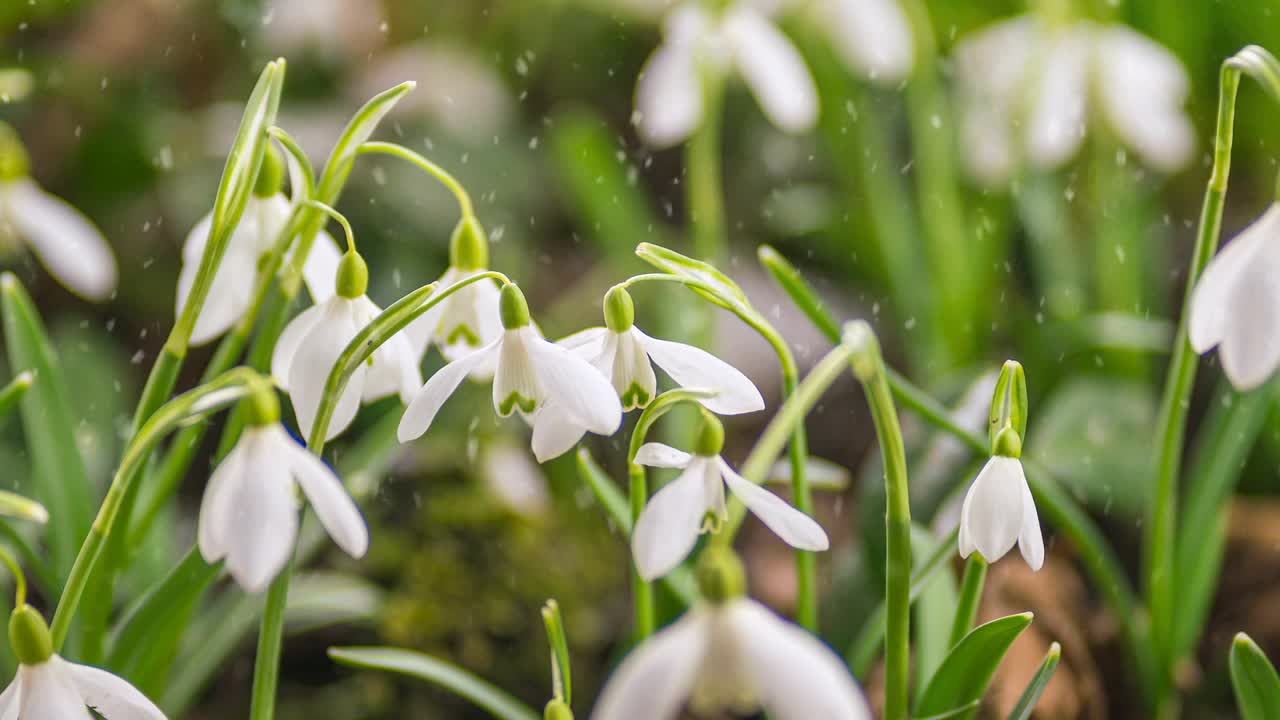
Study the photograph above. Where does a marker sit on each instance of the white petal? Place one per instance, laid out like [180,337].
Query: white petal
[1143,87]
[425,328]
[554,432]
[515,381]
[11,698]
[656,454]
[669,95]
[572,383]
[988,144]
[470,321]
[991,517]
[874,38]
[1030,541]
[693,367]
[334,507]
[68,245]
[669,525]
[1250,348]
[424,406]
[794,527]
[796,676]
[264,520]
[587,343]
[315,358]
[217,509]
[1210,310]
[111,696]
[197,239]
[773,69]
[47,694]
[289,340]
[395,366]
[654,680]
[320,271]
[631,371]
[1057,119]
[229,294]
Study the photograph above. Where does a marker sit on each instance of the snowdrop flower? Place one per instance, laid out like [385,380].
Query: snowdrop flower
[693,503]
[998,510]
[530,375]
[47,687]
[1233,306]
[624,354]
[1029,86]
[872,36]
[310,346]
[63,239]
[249,515]
[468,319]
[265,215]
[731,653]
[697,43]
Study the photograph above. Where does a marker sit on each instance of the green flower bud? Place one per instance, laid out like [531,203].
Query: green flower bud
[1009,404]
[1007,443]
[557,710]
[271,175]
[512,307]
[14,161]
[263,408]
[353,275]
[469,245]
[29,636]
[619,310]
[710,436]
[721,577]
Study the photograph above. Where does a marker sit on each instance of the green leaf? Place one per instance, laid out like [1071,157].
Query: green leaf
[1030,696]
[360,129]
[16,506]
[967,670]
[438,672]
[1255,681]
[60,480]
[964,711]
[723,291]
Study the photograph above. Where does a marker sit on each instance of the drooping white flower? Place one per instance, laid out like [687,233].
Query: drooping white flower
[1029,89]
[233,284]
[737,656]
[677,514]
[530,374]
[872,36]
[1236,304]
[64,690]
[999,512]
[309,347]
[740,39]
[249,515]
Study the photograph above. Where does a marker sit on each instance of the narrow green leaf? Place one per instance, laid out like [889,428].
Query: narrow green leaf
[1030,696]
[802,294]
[15,391]
[964,711]
[1255,681]
[728,295]
[360,129]
[16,506]
[438,672]
[966,672]
[61,482]
[561,669]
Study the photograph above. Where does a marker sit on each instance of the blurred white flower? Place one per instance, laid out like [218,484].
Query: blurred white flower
[1029,91]
[737,656]
[872,36]
[337,29]
[66,243]
[514,479]
[62,690]
[677,514]
[1236,304]
[309,347]
[249,515]
[233,283]
[999,512]
[742,39]
[462,323]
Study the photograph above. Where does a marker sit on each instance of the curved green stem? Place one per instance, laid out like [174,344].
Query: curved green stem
[19,578]
[339,217]
[432,169]
[307,176]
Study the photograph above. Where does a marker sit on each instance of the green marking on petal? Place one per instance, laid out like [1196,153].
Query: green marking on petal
[516,400]
[635,397]
[462,332]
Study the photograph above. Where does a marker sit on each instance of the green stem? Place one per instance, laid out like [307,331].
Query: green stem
[266,664]
[975,576]
[705,188]
[432,169]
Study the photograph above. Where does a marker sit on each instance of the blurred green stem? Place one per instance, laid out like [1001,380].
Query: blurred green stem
[975,576]
[266,664]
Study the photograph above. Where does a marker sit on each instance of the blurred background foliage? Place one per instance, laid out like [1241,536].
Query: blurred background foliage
[133,104]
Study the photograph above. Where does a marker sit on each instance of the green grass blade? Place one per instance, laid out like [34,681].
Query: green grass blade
[1255,681]
[1030,696]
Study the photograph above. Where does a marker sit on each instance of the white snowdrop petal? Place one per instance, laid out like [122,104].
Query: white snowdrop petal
[693,367]
[314,359]
[110,695]
[320,271]
[795,674]
[874,37]
[1209,305]
[394,370]
[68,245]
[554,432]
[1057,118]
[289,340]
[264,524]
[334,507]
[655,454]
[229,294]
[11,698]
[47,694]
[427,402]
[794,527]
[773,69]
[587,343]
[516,378]
[654,680]
[989,152]
[670,524]
[1250,348]
[992,514]
[1143,87]
[576,386]
[669,95]
[217,507]
[197,239]
[1030,541]
[470,321]
[631,371]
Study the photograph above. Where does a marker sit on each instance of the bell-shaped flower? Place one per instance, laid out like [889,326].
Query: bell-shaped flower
[47,687]
[1029,88]
[742,39]
[1236,304]
[62,238]
[311,344]
[694,503]
[731,654]
[872,36]
[530,375]
[249,515]
[468,319]
[999,512]
[265,215]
